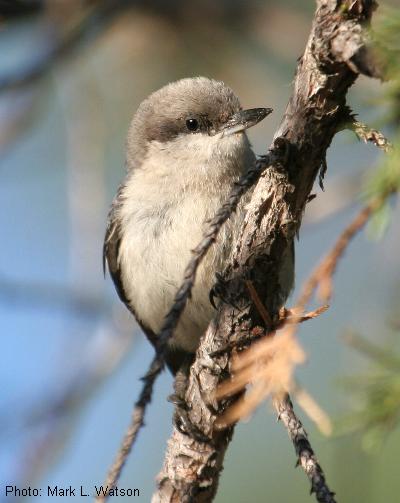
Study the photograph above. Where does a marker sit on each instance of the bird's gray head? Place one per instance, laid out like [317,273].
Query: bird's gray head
[190,117]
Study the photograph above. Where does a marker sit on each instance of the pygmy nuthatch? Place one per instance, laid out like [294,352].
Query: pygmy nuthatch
[186,147]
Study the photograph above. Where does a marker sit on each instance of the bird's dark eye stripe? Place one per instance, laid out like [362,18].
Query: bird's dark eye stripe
[192,124]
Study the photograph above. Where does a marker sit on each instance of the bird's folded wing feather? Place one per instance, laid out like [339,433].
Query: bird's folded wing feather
[174,357]
[111,246]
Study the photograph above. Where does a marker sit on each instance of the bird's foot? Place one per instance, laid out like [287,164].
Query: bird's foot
[184,425]
[181,418]
[182,422]
[220,291]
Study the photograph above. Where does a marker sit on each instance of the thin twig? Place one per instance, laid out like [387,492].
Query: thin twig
[304,451]
[321,277]
[258,303]
[294,316]
[214,226]
[367,134]
[137,421]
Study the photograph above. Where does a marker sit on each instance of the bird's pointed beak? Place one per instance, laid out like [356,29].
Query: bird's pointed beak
[244,119]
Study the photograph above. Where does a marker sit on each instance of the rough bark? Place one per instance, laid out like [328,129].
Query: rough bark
[315,112]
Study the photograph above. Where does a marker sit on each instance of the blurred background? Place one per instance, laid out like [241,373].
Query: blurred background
[72,73]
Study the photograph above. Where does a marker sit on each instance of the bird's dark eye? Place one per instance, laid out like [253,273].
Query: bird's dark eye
[192,124]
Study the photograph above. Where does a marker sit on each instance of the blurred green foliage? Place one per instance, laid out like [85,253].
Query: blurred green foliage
[378,391]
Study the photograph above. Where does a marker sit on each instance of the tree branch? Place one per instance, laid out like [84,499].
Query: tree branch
[314,113]
[304,451]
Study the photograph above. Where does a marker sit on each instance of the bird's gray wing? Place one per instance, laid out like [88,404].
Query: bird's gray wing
[174,357]
[112,241]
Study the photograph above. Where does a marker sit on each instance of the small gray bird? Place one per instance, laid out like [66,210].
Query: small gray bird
[186,147]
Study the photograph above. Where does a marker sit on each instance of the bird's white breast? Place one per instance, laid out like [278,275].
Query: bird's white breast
[165,204]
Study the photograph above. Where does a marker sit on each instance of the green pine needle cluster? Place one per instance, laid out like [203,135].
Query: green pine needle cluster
[378,393]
